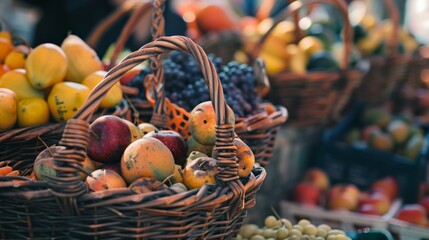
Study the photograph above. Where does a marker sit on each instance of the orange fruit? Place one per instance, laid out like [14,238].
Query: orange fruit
[6,35]
[15,60]
[214,18]
[5,47]
[3,69]
[32,112]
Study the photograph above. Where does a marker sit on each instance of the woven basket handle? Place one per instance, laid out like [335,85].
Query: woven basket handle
[67,184]
[293,9]
[394,15]
[138,9]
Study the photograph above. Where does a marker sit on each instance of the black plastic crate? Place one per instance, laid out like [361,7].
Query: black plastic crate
[361,165]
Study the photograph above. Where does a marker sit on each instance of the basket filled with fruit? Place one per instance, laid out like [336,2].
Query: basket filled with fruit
[342,204]
[371,143]
[146,199]
[389,50]
[411,221]
[305,76]
[41,89]
[256,122]
[276,227]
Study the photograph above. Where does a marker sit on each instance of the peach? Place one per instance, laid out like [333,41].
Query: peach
[102,179]
[245,158]
[343,197]
[145,184]
[378,200]
[306,193]
[44,163]
[178,174]
[425,203]
[193,145]
[202,123]
[87,164]
[387,185]
[199,172]
[412,213]
[318,178]
[147,157]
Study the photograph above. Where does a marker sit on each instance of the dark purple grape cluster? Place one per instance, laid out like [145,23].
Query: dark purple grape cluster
[185,85]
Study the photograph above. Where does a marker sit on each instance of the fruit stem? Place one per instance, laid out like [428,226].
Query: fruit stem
[275,212]
[95,135]
[168,179]
[44,143]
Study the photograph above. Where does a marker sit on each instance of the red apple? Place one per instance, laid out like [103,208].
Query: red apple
[425,203]
[413,213]
[343,197]
[116,167]
[108,138]
[129,76]
[387,185]
[368,131]
[306,193]
[378,200]
[318,178]
[174,142]
[368,209]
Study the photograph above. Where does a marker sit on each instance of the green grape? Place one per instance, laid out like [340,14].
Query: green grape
[268,233]
[304,222]
[272,222]
[310,229]
[247,230]
[325,226]
[295,232]
[342,237]
[282,233]
[321,232]
[286,223]
[257,237]
[299,227]
[294,237]
[336,232]
[332,237]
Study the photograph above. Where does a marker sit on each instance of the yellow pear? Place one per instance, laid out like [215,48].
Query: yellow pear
[8,108]
[275,46]
[82,59]
[66,98]
[46,65]
[273,64]
[284,30]
[17,81]
[32,112]
[298,59]
[310,45]
[373,40]
[113,96]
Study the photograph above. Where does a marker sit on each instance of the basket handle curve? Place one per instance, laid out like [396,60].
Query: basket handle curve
[67,184]
[293,9]
[138,9]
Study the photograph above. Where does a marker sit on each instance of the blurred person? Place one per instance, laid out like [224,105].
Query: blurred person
[80,17]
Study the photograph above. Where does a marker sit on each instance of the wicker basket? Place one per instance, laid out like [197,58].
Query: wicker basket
[223,44]
[62,207]
[35,139]
[136,10]
[413,74]
[258,131]
[314,98]
[385,72]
